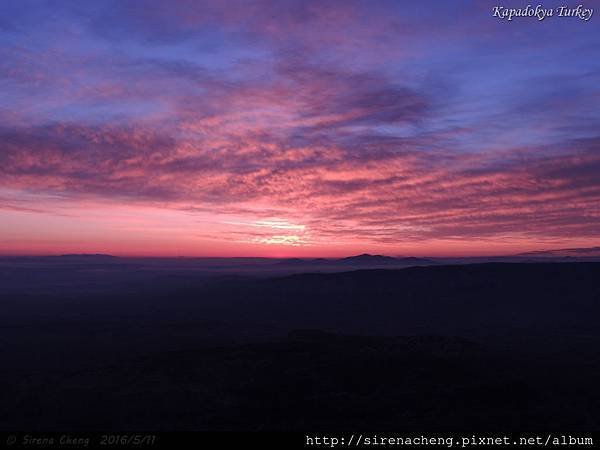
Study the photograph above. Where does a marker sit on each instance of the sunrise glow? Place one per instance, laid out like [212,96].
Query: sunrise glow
[295,129]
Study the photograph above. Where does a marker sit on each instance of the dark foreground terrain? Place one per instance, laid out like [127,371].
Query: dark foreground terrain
[106,343]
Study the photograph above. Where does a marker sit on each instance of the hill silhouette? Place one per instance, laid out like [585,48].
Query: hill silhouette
[366,258]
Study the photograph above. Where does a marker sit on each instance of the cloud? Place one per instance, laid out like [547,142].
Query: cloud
[327,121]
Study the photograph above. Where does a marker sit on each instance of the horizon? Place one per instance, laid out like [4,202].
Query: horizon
[580,251]
[270,130]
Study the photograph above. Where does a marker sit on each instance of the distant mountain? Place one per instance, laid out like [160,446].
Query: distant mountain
[86,256]
[366,258]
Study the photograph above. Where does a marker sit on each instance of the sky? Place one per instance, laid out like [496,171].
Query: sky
[296,128]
